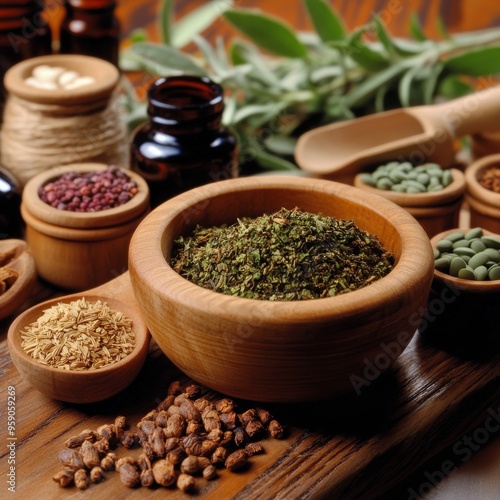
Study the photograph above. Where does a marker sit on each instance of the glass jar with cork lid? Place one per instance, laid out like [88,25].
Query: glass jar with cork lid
[184,144]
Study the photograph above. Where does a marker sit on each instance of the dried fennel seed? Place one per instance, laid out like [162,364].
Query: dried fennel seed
[79,335]
[289,255]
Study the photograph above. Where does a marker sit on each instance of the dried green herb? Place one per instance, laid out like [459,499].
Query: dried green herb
[288,255]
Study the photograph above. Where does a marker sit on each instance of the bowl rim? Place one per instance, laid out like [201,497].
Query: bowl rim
[106,74]
[134,207]
[138,352]
[167,284]
[474,188]
[449,194]
[460,283]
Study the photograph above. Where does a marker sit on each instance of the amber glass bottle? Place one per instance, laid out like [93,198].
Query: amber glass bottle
[184,144]
[91,28]
[24,33]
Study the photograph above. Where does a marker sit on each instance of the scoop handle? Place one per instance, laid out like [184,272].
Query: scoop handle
[472,114]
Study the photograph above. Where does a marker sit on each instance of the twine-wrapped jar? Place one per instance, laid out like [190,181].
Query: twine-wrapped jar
[43,128]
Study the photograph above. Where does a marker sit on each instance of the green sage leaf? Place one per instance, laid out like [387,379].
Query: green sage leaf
[391,45]
[165,21]
[162,59]
[430,83]
[365,56]
[197,21]
[415,28]
[453,86]
[483,61]
[280,144]
[327,23]
[268,32]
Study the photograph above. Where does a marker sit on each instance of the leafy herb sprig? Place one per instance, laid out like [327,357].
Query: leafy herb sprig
[279,82]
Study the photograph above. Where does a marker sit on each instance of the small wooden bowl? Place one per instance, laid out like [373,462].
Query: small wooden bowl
[484,204]
[94,384]
[279,351]
[463,310]
[78,251]
[23,262]
[435,211]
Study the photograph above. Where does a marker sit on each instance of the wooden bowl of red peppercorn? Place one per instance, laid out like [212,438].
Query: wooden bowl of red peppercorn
[79,221]
[482,179]
[280,351]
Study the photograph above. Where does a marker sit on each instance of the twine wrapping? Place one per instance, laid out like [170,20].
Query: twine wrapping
[36,137]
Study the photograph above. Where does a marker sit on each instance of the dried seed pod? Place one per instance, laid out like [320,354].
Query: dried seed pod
[211,420]
[173,410]
[225,405]
[176,456]
[236,460]
[108,432]
[161,418]
[174,388]
[129,475]
[192,391]
[254,428]
[124,460]
[227,438]
[129,439]
[192,444]
[158,443]
[208,447]
[276,430]
[254,449]
[77,441]
[141,437]
[150,415]
[166,403]
[203,403]
[172,444]
[240,437]
[247,416]
[143,462]
[193,427]
[185,483]
[190,465]
[209,472]
[64,477]
[71,458]
[219,456]
[147,426]
[215,435]
[164,472]
[81,479]
[176,426]
[108,462]
[189,411]
[229,420]
[264,416]
[146,478]
[89,454]
[102,446]
[96,475]
[148,450]
[120,426]
[203,462]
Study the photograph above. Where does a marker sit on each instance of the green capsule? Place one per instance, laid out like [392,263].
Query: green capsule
[444,245]
[434,187]
[423,178]
[473,233]
[367,179]
[397,175]
[481,273]
[457,235]
[462,251]
[447,178]
[414,184]
[461,243]
[456,264]
[477,260]
[493,254]
[378,174]
[434,180]
[384,183]
[466,273]
[477,245]
[442,264]
[466,258]
[399,188]
[491,241]
[494,273]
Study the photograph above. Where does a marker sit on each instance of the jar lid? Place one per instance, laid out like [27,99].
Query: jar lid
[106,77]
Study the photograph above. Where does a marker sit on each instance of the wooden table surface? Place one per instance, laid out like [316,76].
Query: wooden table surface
[427,430]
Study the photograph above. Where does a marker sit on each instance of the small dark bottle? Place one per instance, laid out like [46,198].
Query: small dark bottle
[91,28]
[184,144]
[24,33]
[11,224]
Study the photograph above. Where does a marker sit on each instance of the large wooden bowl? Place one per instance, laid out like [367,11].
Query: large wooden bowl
[280,351]
[92,385]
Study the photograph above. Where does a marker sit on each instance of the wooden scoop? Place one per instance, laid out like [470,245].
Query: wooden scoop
[416,134]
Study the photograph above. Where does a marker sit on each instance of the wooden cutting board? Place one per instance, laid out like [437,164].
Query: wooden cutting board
[355,446]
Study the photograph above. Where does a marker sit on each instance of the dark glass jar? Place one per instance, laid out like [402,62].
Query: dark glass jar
[91,28]
[24,33]
[11,224]
[184,144]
